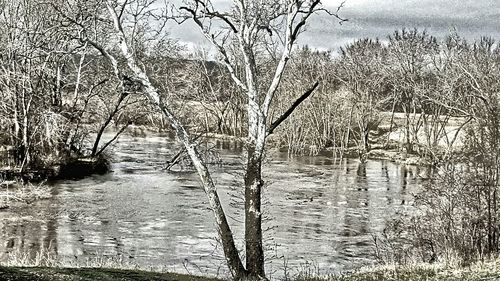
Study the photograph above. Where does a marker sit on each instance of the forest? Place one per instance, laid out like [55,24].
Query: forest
[73,71]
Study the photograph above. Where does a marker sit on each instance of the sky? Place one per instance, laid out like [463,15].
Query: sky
[379,18]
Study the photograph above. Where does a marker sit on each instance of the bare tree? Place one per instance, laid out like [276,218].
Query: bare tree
[246,27]
[312,126]
[410,54]
[32,52]
[361,72]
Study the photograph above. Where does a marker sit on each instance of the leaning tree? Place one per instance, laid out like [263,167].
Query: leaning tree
[240,33]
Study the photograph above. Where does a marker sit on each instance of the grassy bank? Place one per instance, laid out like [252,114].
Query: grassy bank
[478,272]
[89,274]
[483,272]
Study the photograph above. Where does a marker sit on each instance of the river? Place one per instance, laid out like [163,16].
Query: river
[320,215]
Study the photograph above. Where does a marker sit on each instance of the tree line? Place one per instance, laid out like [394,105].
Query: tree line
[59,97]
[430,91]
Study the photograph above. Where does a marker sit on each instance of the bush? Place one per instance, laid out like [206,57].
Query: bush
[454,220]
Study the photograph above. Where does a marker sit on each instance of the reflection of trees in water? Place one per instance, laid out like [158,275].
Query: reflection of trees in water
[388,184]
[29,231]
[409,174]
[349,202]
[403,176]
[355,220]
[348,213]
[361,173]
[95,230]
[366,211]
[149,229]
[232,146]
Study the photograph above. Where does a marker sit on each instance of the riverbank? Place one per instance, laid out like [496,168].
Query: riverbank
[79,168]
[90,274]
[424,272]
[75,169]
[482,271]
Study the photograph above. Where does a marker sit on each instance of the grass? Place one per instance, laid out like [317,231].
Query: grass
[425,272]
[46,267]
[478,272]
[90,274]
[23,193]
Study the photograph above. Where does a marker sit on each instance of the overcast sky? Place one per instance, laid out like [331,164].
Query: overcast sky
[378,18]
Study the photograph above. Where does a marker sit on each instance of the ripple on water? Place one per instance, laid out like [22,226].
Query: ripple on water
[317,210]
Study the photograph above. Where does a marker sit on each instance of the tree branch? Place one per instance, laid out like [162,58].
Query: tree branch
[122,10]
[220,48]
[292,108]
[207,13]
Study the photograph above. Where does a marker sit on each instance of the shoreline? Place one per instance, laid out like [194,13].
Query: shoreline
[74,169]
[83,167]
[428,272]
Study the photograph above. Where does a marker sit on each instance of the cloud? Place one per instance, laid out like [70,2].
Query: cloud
[379,18]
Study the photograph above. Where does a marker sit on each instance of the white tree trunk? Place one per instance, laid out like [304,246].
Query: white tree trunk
[223,229]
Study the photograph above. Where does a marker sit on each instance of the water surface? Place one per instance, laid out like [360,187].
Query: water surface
[320,214]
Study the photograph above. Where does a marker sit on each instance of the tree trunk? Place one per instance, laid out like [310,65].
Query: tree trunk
[348,133]
[95,147]
[409,147]
[106,123]
[253,214]
[225,234]
[25,151]
[366,139]
[391,126]
[223,229]
[17,127]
